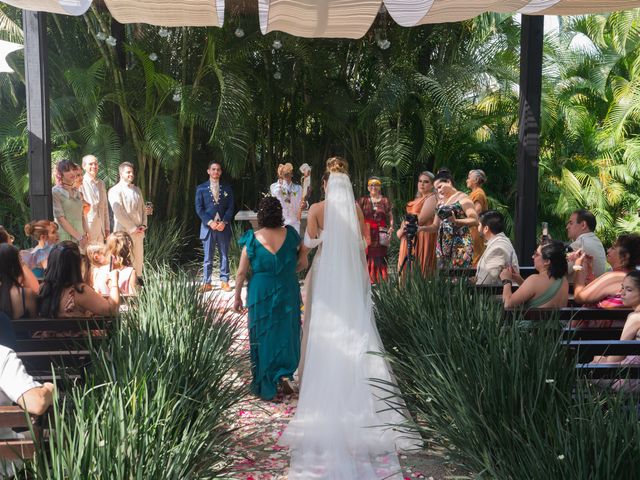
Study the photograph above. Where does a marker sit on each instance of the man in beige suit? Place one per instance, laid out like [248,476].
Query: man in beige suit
[499,251]
[129,213]
[95,194]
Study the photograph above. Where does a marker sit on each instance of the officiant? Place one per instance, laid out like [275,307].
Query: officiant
[289,194]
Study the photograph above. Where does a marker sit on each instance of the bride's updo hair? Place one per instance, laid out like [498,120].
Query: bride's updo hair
[337,165]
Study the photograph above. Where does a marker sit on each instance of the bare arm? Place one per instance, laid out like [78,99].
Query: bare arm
[95,303]
[602,287]
[29,280]
[471,219]
[431,228]
[241,275]
[525,292]
[67,227]
[37,400]
[428,211]
[629,332]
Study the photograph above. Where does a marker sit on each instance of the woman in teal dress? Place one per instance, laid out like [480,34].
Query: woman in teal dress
[273,299]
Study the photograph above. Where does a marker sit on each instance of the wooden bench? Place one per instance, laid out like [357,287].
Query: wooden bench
[69,347]
[20,448]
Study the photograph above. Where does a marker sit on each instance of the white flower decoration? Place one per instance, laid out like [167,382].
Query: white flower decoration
[549,380]
[239,32]
[384,44]
[560,457]
[277,44]
[177,97]
[153,57]
[101,36]
[277,75]
[111,41]
[163,32]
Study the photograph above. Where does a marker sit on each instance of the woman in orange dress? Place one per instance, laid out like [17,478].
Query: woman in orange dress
[475,180]
[424,206]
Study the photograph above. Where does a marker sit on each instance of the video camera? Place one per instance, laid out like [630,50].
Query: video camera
[410,226]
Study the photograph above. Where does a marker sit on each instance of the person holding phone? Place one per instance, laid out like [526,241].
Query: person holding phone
[580,228]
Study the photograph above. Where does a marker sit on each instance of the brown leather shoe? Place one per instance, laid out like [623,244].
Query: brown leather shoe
[207,287]
[225,286]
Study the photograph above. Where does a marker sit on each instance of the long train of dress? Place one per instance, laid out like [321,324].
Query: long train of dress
[349,420]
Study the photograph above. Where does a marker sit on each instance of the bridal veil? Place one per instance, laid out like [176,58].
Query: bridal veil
[345,427]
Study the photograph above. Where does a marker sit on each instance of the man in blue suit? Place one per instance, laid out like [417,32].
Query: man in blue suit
[214,206]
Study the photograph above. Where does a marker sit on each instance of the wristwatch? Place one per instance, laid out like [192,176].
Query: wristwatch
[507,281]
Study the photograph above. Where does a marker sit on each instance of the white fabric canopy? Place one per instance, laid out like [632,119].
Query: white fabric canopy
[5,49]
[322,18]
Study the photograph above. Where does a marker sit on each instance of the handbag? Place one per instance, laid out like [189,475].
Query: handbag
[384,239]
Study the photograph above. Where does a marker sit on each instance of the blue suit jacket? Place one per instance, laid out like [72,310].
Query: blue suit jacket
[207,209]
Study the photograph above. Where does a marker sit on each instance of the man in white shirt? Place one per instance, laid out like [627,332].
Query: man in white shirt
[499,252]
[580,228]
[289,194]
[95,194]
[17,386]
[129,212]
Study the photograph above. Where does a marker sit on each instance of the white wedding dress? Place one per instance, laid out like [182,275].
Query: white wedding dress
[347,425]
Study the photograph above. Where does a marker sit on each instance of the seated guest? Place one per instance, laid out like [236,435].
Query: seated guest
[498,253]
[548,288]
[16,300]
[64,292]
[29,280]
[97,258]
[45,233]
[580,228]
[119,250]
[17,386]
[5,236]
[623,256]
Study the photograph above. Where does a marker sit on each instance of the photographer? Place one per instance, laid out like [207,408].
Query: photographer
[455,215]
[420,211]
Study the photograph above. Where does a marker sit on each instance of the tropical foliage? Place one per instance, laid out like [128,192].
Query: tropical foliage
[395,102]
[501,396]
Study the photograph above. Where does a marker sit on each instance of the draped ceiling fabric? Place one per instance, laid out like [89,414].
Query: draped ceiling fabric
[321,18]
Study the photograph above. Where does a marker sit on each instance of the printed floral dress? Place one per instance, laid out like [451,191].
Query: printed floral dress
[454,247]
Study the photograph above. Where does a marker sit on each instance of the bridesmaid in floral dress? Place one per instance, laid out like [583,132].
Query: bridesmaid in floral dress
[455,216]
[379,219]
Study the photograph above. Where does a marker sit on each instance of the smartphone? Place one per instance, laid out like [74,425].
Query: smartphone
[545,231]
[110,263]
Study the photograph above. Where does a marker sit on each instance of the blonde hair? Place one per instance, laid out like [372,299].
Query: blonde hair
[93,250]
[38,228]
[285,169]
[120,246]
[337,165]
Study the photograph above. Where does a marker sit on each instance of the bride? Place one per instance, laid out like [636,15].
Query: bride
[349,420]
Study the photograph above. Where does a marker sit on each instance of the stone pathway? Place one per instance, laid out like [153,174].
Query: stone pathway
[260,424]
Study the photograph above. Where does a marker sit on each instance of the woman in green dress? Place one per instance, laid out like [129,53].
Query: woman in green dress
[273,298]
[68,203]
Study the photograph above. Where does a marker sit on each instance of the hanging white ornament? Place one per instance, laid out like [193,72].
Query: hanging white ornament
[277,75]
[153,57]
[239,32]
[101,36]
[277,44]
[163,32]
[111,41]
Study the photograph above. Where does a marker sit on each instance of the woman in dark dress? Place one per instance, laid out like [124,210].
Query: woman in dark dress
[273,299]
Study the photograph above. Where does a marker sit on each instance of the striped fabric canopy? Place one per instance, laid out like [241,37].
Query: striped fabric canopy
[321,18]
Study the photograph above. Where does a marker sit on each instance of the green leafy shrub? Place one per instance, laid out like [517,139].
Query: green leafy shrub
[165,242]
[502,397]
[157,399]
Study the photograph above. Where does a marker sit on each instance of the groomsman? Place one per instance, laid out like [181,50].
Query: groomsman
[214,206]
[129,212]
[95,194]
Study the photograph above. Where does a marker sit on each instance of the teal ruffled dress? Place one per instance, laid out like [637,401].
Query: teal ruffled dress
[273,300]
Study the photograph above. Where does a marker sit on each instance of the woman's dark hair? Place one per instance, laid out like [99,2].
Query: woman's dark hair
[554,251]
[10,273]
[634,275]
[64,270]
[444,174]
[629,245]
[270,213]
